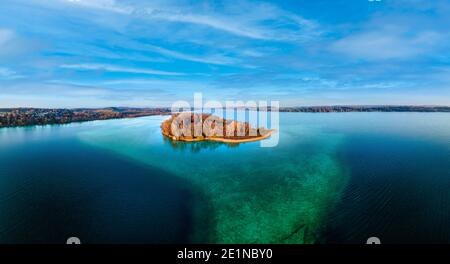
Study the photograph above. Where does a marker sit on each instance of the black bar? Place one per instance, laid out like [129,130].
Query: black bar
[283,253]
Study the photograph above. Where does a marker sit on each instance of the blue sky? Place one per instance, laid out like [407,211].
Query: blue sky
[97,53]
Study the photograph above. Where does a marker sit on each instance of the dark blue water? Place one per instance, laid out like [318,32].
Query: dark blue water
[399,191]
[52,187]
[333,178]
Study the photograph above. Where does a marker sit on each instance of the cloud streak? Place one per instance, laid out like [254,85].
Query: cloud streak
[113,68]
[5,36]
[216,59]
[213,22]
[7,74]
[385,45]
[106,5]
[250,22]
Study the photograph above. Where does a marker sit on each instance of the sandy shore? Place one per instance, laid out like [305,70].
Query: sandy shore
[223,140]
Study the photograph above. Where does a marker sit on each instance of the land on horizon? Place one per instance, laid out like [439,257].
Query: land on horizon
[27,116]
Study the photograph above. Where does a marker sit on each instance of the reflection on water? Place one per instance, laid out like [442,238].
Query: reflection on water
[197,146]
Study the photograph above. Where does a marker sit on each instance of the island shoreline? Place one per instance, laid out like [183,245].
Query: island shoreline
[225,140]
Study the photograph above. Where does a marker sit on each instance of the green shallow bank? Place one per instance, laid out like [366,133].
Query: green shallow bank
[244,193]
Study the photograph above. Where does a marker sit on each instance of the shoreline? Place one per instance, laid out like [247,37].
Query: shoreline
[206,125]
[168,114]
[80,121]
[223,140]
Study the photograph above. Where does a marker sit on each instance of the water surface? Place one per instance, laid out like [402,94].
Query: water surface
[333,178]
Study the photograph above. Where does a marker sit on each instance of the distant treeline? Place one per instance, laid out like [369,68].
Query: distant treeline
[35,116]
[10,117]
[329,109]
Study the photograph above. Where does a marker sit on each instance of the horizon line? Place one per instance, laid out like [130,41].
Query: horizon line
[159,107]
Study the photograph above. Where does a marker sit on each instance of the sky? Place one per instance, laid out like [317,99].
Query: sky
[101,53]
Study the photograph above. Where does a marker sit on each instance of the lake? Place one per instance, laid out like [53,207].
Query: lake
[333,178]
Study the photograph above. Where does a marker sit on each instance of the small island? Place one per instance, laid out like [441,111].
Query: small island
[192,127]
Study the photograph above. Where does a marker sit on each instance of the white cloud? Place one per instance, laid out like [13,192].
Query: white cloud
[223,24]
[107,5]
[252,53]
[158,13]
[12,45]
[7,74]
[382,45]
[216,59]
[227,25]
[6,35]
[249,21]
[112,68]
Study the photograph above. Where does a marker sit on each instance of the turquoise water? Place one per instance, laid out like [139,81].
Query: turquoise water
[333,178]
